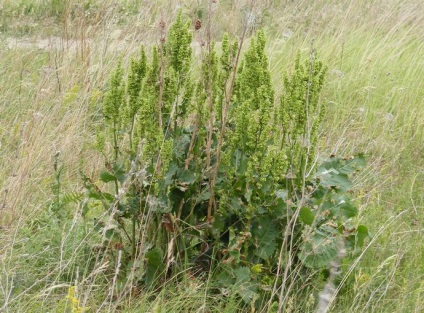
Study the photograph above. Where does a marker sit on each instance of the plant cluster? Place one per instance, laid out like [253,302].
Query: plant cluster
[208,172]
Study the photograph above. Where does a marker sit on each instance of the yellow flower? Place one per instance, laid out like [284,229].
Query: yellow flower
[256,269]
[74,301]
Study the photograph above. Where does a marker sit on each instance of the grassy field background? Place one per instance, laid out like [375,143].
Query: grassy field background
[56,57]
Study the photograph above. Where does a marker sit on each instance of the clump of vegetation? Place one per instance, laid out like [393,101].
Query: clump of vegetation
[208,172]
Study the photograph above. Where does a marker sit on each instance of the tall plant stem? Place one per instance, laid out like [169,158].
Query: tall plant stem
[210,106]
[116,151]
[228,95]
[161,81]
[133,245]
[304,164]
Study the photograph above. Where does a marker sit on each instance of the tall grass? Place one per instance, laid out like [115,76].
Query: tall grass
[50,102]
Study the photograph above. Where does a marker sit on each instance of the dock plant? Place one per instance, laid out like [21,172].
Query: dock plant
[209,171]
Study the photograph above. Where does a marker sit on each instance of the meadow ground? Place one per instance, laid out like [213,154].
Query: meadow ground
[56,56]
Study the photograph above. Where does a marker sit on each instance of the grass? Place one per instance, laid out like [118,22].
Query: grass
[374,94]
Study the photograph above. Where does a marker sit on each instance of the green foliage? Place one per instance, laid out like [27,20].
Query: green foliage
[56,205]
[178,49]
[300,113]
[329,211]
[45,242]
[59,204]
[210,179]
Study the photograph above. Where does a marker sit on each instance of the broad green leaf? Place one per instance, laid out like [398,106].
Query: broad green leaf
[110,233]
[244,286]
[335,179]
[265,233]
[119,172]
[236,205]
[187,177]
[343,166]
[204,195]
[94,195]
[279,209]
[318,251]
[172,170]
[219,222]
[247,292]
[106,177]
[340,206]
[239,188]
[338,165]
[154,264]
[133,204]
[361,234]
[109,197]
[282,194]
[225,278]
[242,275]
[154,258]
[346,209]
[243,164]
[181,145]
[355,163]
[306,216]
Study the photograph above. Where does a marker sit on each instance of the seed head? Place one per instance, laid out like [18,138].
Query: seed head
[197,24]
